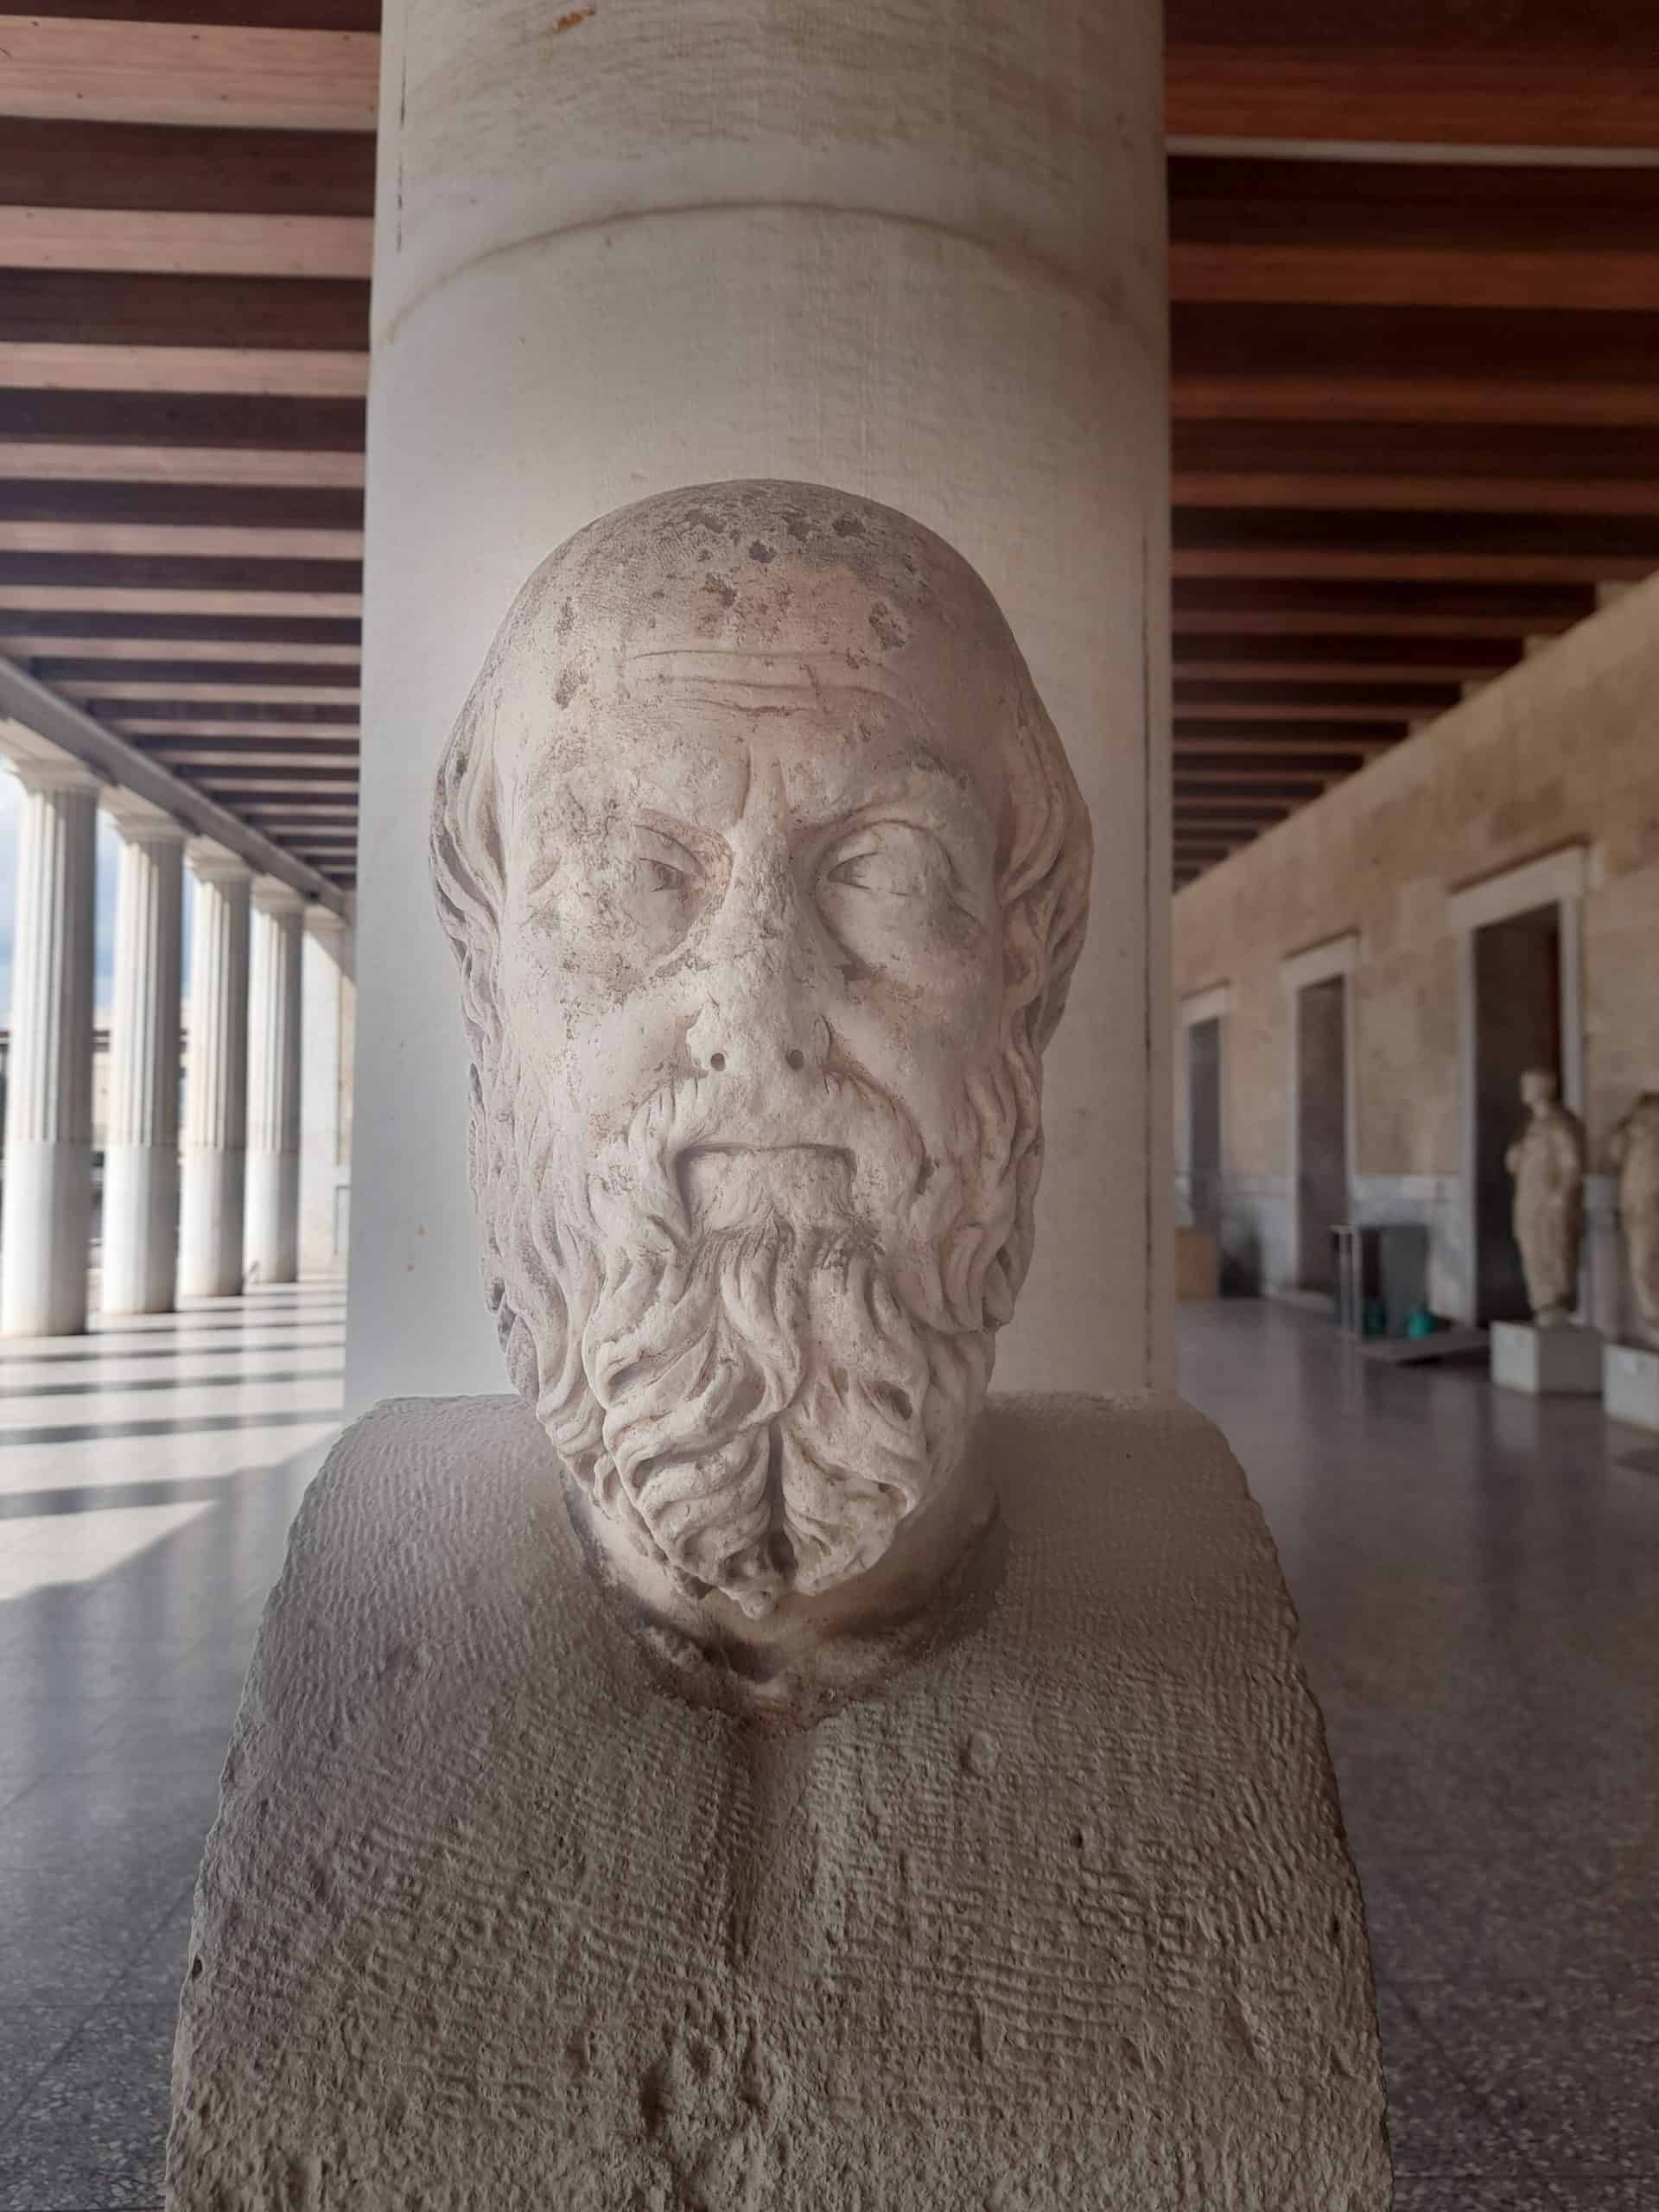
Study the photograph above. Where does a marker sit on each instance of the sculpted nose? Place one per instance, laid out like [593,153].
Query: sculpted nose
[758,1033]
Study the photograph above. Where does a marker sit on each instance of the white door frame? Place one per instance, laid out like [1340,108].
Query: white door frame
[1559,879]
[1333,956]
[1212,1005]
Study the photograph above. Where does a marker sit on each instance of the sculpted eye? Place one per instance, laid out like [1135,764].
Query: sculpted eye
[658,875]
[890,861]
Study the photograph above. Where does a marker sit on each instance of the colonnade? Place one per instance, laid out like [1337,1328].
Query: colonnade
[190,1210]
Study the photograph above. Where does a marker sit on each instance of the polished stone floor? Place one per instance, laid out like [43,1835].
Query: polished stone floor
[1477,1576]
[148,1475]
[1478,1580]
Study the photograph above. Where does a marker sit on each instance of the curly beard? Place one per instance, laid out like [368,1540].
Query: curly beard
[758,1365]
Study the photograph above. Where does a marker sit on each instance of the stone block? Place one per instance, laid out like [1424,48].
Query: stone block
[1561,1362]
[1630,1384]
[498,1912]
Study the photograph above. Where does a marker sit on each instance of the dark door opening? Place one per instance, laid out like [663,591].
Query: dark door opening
[1321,1129]
[1517,1011]
[1203,1122]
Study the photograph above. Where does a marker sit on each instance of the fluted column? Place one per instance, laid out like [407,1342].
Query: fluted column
[216,1078]
[141,1156]
[273,1253]
[325,1087]
[48,1159]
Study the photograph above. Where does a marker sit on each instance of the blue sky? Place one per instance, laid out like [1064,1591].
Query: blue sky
[108,845]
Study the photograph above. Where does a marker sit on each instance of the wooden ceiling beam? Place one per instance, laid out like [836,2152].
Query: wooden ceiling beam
[124,602]
[21,639]
[1371,544]
[155,243]
[191,75]
[255,422]
[1534,495]
[128,697]
[1326,89]
[1265,696]
[253,371]
[182,573]
[1377,661]
[186,679]
[299,712]
[1261,738]
[140,726]
[1314,606]
[191,634]
[1239,760]
[138,464]
[69,162]
[296,754]
[47,306]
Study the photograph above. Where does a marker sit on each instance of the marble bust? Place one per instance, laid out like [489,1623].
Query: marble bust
[749,1765]
[1636,1155]
[766,873]
[1547,1163]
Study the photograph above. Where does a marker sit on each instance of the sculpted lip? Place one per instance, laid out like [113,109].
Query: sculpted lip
[722,1185]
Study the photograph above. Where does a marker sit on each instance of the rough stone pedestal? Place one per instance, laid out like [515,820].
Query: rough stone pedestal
[1555,1363]
[1630,1384]
[1063,1918]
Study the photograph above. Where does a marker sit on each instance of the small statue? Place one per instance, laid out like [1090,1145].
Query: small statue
[1546,1161]
[1635,1151]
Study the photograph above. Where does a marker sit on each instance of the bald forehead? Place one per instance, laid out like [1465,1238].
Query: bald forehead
[686,735]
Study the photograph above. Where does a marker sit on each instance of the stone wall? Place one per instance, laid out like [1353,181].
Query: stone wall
[1562,751]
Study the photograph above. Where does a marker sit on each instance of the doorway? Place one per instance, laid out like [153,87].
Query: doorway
[1517,1023]
[1203,1122]
[1321,1129]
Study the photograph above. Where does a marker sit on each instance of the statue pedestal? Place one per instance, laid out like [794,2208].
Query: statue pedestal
[1561,1362]
[1063,1916]
[1630,1384]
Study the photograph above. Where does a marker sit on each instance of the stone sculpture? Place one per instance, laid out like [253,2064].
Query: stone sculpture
[1547,1163]
[747,1768]
[1635,1150]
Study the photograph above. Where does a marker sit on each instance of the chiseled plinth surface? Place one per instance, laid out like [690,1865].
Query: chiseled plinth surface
[492,1915]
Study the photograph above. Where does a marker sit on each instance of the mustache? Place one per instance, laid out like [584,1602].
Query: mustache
[841,1115]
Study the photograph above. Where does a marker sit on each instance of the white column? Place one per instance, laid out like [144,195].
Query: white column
[325,1082]
[915,252]
[48,1194]
[272,1249]
[141,1155]
[216,1078]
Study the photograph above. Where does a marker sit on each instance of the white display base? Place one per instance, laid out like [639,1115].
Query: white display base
[1630,1384]
[1561,1362]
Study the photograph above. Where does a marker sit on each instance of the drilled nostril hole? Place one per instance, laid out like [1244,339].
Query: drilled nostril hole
[796,1059]
[717,1061]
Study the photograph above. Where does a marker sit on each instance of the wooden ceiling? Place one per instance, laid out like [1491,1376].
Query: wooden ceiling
[1415,262]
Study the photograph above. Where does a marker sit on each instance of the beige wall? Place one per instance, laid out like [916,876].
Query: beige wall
[1564,749]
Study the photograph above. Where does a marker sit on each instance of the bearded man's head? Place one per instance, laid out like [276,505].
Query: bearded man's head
[766,874]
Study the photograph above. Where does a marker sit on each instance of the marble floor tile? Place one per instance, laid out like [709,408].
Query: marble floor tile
[92,2131]
[1570,2069]
[1437,2125]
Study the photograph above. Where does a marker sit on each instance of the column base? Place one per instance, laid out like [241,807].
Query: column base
[1630,1384]
[210,1222]
[1561,1362]
[271,1251]
[141,1228]
[44,1234]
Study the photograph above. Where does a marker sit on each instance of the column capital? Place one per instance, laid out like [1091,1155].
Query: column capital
[272,896]
[324,923]
[139,820]
[35,772]
[216,863]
